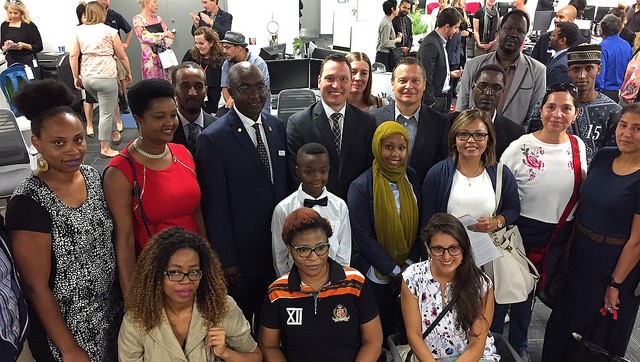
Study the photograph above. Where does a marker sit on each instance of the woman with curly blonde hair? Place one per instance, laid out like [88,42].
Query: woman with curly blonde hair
[178,308]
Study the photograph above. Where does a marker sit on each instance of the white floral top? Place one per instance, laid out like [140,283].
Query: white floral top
[445,341]
[544,173]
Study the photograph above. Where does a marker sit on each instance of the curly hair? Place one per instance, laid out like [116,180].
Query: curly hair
[468,279]
[216,55]
[146,296]
[301,220]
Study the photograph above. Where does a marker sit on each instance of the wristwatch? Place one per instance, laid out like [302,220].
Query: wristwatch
[500,225]
[614,284]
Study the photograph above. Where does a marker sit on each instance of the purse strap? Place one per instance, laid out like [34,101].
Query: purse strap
[573,200]
[137,192]
[433,324]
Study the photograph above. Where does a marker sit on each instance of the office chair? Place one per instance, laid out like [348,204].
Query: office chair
[14,158]
[291,101]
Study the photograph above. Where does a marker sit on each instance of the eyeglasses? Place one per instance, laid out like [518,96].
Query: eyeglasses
[454,250]
[477,136]
[177,276]
[244,90]
[485,87]
[305,251]
[16,2]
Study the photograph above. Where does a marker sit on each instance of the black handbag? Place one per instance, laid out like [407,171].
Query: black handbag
[581,349]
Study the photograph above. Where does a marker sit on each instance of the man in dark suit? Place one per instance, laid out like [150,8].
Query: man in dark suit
[242,172]
[402,24]
[541,51]
[434,59]
[561,39]
[190,83]
[427,128]
[487,88]
[343,129]
[213,17]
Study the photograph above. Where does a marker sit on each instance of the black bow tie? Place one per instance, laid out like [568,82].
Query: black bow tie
[310,203]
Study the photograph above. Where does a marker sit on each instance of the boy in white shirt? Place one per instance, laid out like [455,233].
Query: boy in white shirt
[312,168]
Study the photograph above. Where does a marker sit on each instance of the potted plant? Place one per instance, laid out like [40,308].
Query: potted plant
[297,46]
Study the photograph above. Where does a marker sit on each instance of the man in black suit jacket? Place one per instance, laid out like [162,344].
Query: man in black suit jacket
[427,128]
[434,59]
[487,87]
[190,83]
[213,17]
[541,51]
[402,24]
[343,129]
[242,172]
[561,39]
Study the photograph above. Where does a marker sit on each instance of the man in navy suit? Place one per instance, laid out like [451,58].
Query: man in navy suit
[486,89]
[344,130]
[213,17]
[434,59]
[190,83]
[427,128]
[562,37]
[242,173]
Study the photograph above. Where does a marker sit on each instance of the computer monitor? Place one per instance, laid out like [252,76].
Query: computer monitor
[542,20]
[601,12]
[505,7]
[273,52]
[314,72]
[288,74]
[589,13]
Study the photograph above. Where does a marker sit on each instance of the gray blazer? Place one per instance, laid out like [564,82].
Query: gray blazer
[528,87]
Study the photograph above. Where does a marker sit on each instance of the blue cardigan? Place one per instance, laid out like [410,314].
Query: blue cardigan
[436,189]
[360,203]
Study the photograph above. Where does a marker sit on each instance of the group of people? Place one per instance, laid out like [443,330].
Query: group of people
[245,237]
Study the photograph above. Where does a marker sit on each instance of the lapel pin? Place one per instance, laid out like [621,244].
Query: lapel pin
[270,130]
[239,129]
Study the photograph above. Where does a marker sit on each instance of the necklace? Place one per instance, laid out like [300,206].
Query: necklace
[150,155]
[475,174]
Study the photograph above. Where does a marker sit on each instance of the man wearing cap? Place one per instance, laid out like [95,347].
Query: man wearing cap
[616,54]
[235,50]
[213,17]
[525,83]
[543,51]
[596,121]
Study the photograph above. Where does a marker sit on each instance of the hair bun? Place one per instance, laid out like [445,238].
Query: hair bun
[34,98]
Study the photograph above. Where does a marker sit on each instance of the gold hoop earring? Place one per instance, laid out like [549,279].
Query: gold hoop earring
[42,164]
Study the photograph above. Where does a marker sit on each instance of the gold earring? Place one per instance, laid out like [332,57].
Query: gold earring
[42,164]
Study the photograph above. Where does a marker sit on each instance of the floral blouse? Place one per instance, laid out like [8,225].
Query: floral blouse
[445,341]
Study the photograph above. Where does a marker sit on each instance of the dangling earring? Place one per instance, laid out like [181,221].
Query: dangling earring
[42,164]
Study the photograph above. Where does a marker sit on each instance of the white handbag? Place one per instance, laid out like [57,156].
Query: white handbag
[514,275]
[168,59]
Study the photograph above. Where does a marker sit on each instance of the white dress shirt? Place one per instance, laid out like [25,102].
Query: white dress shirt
[248,126]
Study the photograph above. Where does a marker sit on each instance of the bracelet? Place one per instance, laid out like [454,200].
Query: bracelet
[614,284]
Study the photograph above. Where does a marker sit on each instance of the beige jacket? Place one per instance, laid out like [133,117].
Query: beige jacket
[160,343]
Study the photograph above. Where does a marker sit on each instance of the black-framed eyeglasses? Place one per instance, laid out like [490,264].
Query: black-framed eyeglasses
[305,251]
[477,136]
[245,90]
[454,250]
[486,87]
[178,276]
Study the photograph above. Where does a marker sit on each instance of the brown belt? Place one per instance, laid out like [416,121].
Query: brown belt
[599,238]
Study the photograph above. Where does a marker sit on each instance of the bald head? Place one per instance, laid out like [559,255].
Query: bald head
[567,14]
[241,70]
[247,88]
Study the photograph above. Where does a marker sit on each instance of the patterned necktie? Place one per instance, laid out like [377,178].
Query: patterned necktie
[403,22]
[337,133]
[194,130]
[262,149]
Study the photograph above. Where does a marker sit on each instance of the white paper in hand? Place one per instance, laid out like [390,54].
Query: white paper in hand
[482,246]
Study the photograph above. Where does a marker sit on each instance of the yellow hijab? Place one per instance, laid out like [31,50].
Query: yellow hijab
[396,233]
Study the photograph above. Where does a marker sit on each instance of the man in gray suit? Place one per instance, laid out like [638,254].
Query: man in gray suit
[526,81]
[428,129]
[190,83]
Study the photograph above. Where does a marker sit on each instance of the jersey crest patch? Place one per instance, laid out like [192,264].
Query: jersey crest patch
[340,314]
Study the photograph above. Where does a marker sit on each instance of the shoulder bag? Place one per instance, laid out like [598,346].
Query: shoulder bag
[581,349]
[513,275]
[137,192]
[403,352]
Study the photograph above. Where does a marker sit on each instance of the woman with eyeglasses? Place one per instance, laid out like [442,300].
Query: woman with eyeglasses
[19,36]
[178,308]
[450,275]
[207,52]
[320,310]
[152,184]
[60,230]
[383,210]
[543,165]
[360,93]
[603,269]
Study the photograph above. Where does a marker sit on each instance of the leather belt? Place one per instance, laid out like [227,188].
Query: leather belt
[599,238]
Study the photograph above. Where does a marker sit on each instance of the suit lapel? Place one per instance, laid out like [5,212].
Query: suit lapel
[321,119]
[165,338]
[238,130]
[273,140]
